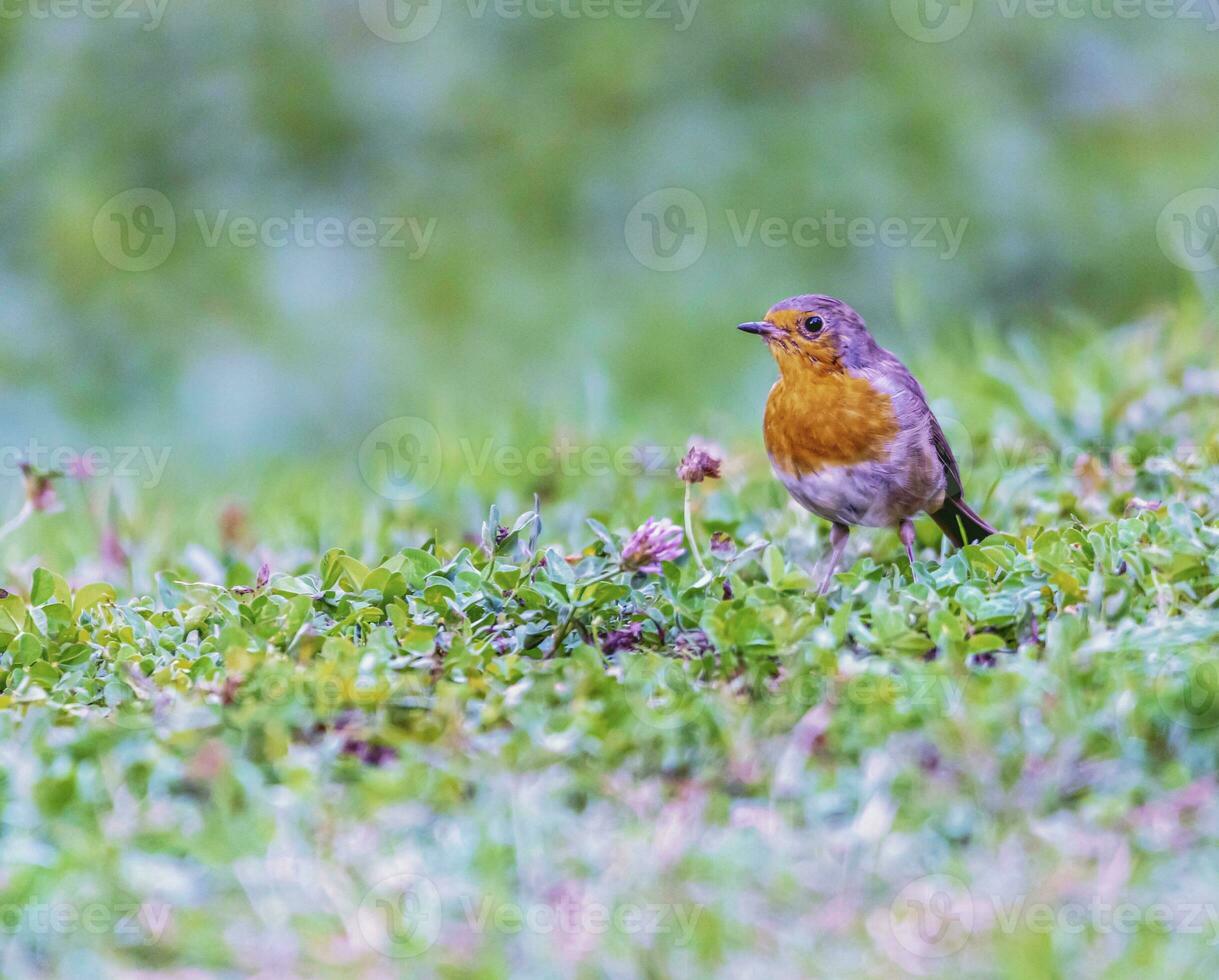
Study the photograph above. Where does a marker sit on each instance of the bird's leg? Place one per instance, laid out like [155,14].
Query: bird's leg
[905,530]
[838,543]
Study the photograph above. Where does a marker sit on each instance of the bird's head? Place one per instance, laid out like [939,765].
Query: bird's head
[813,331]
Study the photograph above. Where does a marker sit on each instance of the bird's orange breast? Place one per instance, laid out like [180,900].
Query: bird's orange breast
[830,419]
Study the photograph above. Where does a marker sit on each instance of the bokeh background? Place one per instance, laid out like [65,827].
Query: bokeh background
[529,143]
[583,198]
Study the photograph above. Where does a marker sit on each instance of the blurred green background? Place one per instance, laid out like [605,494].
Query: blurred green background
[524,142]
[580,208]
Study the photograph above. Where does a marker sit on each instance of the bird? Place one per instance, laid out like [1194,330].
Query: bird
[849,431]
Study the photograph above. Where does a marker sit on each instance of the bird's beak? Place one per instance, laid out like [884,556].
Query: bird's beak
[761,328]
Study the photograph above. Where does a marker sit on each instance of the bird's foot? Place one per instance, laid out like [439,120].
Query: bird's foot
[839,533]
[905,531]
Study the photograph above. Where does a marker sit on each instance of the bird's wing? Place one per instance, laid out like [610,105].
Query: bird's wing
[952,474]
[895,377]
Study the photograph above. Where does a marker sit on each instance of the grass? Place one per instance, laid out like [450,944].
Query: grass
[411,746]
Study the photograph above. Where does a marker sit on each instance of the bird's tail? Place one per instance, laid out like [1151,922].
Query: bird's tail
[960,523]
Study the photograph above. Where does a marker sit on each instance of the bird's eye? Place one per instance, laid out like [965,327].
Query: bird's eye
[814,324]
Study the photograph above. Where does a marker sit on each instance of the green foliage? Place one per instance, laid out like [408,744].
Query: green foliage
[471,733]
[450,735]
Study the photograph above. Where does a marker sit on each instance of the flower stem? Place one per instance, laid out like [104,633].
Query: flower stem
[569,621]
[17,520]
[698,558]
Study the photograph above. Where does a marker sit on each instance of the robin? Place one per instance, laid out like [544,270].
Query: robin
[849,431]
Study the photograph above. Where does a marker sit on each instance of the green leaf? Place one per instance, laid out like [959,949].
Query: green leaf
[25,649]
[353,571]
[419,639]
[44,674]
[985,643]
[47,585]
[88,596]
[772,562]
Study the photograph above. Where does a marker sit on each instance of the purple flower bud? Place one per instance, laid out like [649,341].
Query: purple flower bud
[722,546]
[370,753]
[654,542]
[626,638]
[694,643]
[39,490]
[698,465]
